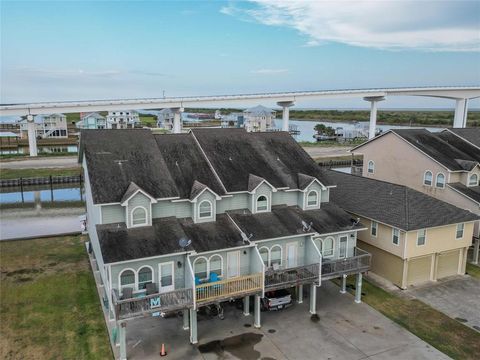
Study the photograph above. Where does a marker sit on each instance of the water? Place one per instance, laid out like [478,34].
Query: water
[307,132]
[42,149]
[40,210]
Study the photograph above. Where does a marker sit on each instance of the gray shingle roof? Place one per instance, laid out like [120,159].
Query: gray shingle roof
[473,192]
[259,110]
[132,189]
[472,135]
[395,205]
[254,181]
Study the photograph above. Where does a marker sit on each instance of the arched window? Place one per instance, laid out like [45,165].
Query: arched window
[473,181]
[139,216]
[205,209]
[145,276]
[427,178]
[276,255]
[327,247]
[371,167]
[312,198]
[264,254]
[440,182]
[216,265]
[262,203]
[200,268]
[127,279]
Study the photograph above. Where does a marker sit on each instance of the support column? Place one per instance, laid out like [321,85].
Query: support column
[461,111]
[177,120]
[257,322]
[32,136]
[300,294]
[313,299]
[193,326]
[246,305]
[476,250]
[186,320]
[343,290]
[358,289]
[122,334]
[286,113]
[373,114]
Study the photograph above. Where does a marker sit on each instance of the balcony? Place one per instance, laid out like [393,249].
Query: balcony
[360,262]
[145,305]
[230,288]
[288,277]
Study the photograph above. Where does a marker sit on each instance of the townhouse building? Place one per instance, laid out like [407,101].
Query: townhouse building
[46,126]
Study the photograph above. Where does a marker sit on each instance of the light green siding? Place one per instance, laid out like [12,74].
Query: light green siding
[237,201]
[326,196]
[284,198]
[263,189]
[205,196]
[112,214]
[300,243]
[351,243]
[139,200]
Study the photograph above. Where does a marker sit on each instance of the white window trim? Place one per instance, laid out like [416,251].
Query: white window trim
[172,265]
[134,286]
[211,209]
[138,276]
[146,216]
[418,236]
[256,204]
[425,176]
[463,231]
[444,180]
[206,263]
[221,265]
[469,178]
[346,246]
[371,228]
[333,247]
[368,167]
[270,254]
[393,235]
[317,201]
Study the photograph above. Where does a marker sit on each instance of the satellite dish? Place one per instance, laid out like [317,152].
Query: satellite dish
[355,222]
[306,227]
[245,238]
[184,242]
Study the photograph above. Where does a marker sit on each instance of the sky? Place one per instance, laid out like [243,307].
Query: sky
[81,50]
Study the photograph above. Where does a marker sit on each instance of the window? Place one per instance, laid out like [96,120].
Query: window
[264,254]
[473,181]
[460,228]
[139,216]
[205,209]
[215,265]
[440,183]
[312,198]
[427,178]
[276,255]
[327,247]
[343,246]
[371,167]
[145,276]
[262,203]
[395,236]
[127,279]
[421,236]
[200,268]
[374,228]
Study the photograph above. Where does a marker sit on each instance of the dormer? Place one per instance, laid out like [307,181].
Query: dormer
[260,191]
[138,206]
[204,202]
[312,191]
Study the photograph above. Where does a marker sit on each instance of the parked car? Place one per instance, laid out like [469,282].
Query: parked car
[276,300]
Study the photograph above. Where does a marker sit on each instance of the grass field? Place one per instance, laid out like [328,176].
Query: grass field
[473,270]
[442,332]
[49,305]
[25,173]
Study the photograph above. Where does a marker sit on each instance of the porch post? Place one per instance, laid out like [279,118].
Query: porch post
[300,293]
[186,320]
[193,326]
[476,246]
[313,299]
[343,290]
[246,305]
[358,289]
[257,323]
[122,334]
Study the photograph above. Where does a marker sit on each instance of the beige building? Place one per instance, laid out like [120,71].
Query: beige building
[444,165]
[413,237]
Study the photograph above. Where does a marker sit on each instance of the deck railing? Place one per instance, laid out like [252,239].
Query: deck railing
[140,306]
[224,289]
[291,276]
[360,262]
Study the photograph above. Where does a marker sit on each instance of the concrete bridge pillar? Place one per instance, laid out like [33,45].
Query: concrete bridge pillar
[373,114]
[177,120]
[286,113]
[32,136]
[461,111]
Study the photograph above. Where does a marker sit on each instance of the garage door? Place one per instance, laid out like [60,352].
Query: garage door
[448,264]
[419,270]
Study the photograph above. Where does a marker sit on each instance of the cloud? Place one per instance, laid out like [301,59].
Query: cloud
[269,71]
[388,24]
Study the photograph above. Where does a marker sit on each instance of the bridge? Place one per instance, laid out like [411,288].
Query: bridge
[460,94]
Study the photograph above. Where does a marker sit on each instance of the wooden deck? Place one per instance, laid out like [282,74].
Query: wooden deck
[283,278]
[348,266]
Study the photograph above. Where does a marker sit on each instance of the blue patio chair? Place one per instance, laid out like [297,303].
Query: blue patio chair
[214,278]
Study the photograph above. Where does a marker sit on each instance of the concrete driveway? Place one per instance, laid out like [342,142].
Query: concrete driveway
[457,297]
[345,330]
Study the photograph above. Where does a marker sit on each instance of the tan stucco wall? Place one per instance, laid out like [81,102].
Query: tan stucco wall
[383,239]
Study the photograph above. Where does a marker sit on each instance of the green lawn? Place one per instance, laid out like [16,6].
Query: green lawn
[442,332]
[25,173]
[473,270]
[148,120]
[49,306]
